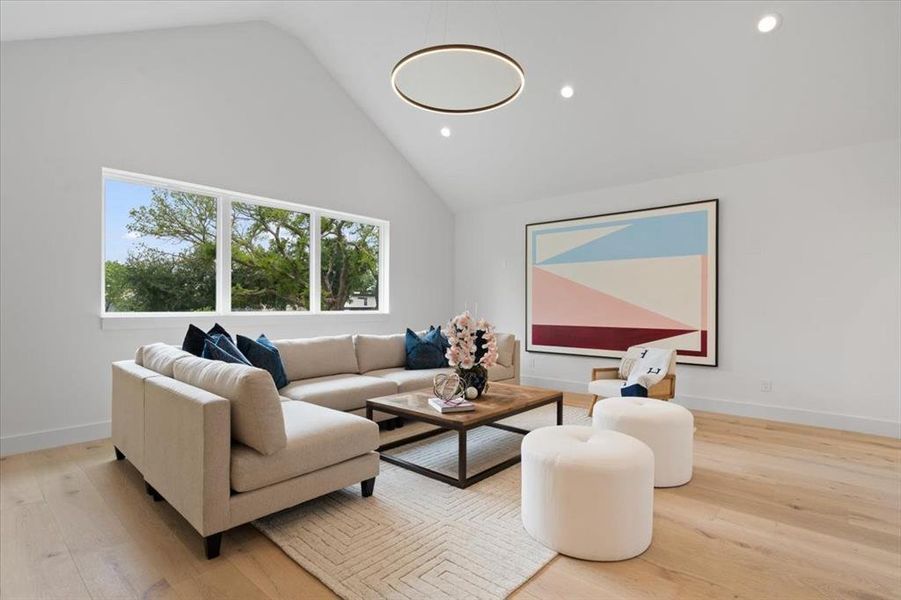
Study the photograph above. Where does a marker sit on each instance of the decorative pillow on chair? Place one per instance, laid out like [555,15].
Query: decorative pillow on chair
[425,352]
[264,355]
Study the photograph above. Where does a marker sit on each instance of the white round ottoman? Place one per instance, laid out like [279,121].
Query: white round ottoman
[666,427]
[588,493]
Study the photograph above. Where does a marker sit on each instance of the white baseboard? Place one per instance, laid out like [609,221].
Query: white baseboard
[799,416]
[51,438]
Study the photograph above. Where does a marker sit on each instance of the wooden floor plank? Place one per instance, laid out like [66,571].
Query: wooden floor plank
[774,511]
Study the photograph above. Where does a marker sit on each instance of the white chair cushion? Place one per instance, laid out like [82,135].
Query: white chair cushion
[606,388]
[666,427]
[317,438]
[588,493]
[339,392]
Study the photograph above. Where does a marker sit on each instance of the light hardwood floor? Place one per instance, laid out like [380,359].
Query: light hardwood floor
[774,511]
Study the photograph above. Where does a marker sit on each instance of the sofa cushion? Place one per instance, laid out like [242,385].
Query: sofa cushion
[500,372]
[409,380]
[256,413]
[380,351]
[316,357]
[340,392]
[506,345]
[317,437]
[606,388]
[159,357]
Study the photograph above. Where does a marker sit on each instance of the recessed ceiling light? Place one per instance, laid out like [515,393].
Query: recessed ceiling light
[445,131]
[567,91]
[768,23]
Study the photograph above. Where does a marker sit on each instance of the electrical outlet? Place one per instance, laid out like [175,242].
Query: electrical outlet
[766,386]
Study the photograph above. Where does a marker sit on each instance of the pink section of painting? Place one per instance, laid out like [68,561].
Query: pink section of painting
[560,301]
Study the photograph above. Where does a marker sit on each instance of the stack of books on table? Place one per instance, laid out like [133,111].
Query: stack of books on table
[451,406]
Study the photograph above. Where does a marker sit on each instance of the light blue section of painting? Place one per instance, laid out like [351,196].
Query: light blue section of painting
[681,234]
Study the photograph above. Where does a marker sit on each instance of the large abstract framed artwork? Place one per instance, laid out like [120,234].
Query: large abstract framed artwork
[597,285]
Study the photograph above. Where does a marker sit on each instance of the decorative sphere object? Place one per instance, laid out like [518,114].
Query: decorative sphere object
[447,386]
[471,393]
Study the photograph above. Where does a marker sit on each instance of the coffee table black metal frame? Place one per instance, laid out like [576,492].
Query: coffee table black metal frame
[462,481]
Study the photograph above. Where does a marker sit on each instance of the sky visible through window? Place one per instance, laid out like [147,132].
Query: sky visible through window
[121,197]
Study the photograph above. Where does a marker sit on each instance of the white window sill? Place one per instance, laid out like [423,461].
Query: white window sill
[206,320]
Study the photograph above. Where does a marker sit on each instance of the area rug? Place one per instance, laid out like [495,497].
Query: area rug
[419,538]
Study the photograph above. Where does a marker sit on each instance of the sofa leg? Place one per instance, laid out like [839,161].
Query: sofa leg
[389,424]
[151,491]
[119,455]
[368,486]
[400,422]
[212,544]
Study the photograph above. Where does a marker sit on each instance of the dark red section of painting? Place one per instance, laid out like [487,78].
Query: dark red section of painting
[608,338]
[702,351]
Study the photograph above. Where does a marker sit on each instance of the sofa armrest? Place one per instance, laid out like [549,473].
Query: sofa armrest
[517,361]
[604,373]
[128,409]
[188,451]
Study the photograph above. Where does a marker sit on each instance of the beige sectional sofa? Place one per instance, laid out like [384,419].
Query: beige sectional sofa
[223,446]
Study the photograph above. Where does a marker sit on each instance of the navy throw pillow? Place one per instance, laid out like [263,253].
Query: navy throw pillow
[217,328]
[434,336]
[224,342]
[264,355]
[195,338]
[422,353]
[214,352]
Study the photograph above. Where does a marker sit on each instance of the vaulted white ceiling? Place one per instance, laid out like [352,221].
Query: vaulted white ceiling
[660,88]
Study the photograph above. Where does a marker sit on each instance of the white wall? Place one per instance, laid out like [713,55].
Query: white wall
[808,295]
[241,107]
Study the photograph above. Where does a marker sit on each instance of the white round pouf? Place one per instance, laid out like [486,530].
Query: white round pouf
[588,493]
[666,427]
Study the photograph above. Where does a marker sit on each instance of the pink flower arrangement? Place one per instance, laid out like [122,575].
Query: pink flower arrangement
[472,342]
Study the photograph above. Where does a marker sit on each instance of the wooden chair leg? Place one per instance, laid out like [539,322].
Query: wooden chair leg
[212,544]
[594,400]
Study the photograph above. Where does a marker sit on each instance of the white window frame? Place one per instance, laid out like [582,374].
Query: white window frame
[224,199]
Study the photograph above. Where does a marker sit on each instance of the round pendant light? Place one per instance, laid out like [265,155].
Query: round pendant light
[457,79]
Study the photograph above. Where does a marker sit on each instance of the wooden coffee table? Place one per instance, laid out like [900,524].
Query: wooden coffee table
[501,401]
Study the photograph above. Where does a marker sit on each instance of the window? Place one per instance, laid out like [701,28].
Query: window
[173,247]
[270,268]
[160,249]
[349,265]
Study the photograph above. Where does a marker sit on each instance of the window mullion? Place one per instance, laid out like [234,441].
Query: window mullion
[224,257]
[315,256]
[383,275]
